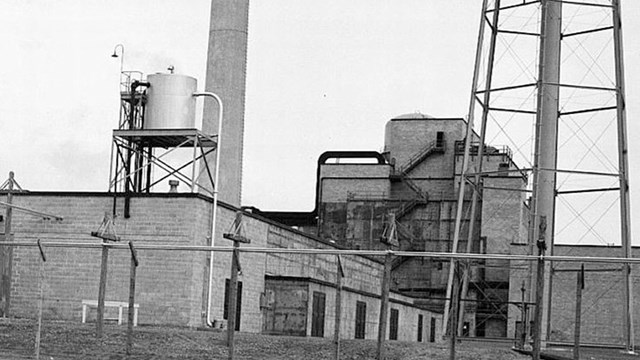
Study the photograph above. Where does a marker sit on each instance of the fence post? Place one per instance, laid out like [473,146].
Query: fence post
[384,306]
[106,232]
[41,303]
[132,294]
[233,293]
[454,310]
[102,287]
[237,237]
[576,334]
[338,312]
[6,254]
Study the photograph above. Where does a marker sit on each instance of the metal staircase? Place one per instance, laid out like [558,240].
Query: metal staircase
[401,174]
[407,206]
[436,146]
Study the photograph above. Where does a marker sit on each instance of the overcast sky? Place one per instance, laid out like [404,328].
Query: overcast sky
[322,75]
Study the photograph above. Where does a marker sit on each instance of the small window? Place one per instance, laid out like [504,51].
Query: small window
[420,320]
[440,139]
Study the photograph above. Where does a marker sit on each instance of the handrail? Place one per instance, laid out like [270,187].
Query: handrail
[426,150]
[488,150]
[412,185]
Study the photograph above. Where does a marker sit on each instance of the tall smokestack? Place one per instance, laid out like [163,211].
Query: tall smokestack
[226,75]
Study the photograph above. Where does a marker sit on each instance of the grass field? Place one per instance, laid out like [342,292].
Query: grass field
[66,340]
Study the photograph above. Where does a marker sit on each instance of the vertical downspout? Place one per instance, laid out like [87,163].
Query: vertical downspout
[214,207]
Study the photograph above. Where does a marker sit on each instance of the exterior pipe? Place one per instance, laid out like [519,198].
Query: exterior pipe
[256,250]
[216,173]
[127,197]
[310,218]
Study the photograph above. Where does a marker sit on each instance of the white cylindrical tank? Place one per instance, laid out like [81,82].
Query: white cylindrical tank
[170,102]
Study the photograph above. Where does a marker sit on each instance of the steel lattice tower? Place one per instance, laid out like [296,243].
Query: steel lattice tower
[549,81]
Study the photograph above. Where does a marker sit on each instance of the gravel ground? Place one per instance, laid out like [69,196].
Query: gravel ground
[65,340]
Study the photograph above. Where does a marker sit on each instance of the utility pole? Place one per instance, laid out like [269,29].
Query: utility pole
[132,295]
[384,307]
[237,237]
[454,313]
[106,232]
[6,256]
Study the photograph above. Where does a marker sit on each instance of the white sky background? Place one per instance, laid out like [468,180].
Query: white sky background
[322,75]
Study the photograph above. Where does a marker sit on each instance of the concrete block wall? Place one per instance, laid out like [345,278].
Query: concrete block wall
[337,181]
[408,321]
[490,162]
[435,188]
[602,302]
[365,224]
[421,275]
[348,318]
[289,311]
[520,275]
[407,314]
[362,273]
[332,224]
[337,190]
[349,170]
[406,137]
[168,284]
[502,219]
[602,297]
[503,214]
[252,268]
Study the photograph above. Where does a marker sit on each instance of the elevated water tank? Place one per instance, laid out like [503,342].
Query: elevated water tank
[170,102]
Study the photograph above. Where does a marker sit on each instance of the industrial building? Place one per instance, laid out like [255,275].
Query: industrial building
[414,185]
[401,198]
[358,193]
[278,292]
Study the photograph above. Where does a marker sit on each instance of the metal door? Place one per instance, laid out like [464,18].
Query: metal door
[317,314]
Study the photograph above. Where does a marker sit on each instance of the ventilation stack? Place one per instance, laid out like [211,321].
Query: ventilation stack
[226,74]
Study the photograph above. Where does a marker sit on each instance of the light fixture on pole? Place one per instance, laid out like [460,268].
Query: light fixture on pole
[121,56]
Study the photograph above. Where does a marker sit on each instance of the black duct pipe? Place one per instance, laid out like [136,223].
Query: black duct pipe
[292,218]
[127,196]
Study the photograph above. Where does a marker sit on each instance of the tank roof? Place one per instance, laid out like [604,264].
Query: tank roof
[415,115]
